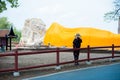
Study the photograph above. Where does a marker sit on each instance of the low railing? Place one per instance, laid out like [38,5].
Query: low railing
[16,54]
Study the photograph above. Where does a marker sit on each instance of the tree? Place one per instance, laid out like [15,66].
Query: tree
[5,3]
[18,33]
[4,23]
[115,13]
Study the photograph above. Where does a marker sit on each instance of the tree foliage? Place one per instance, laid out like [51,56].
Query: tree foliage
[18,33]
[115,13]
[4,23]
[5,3]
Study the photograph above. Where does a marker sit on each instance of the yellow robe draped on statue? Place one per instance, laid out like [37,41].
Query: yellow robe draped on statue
[58,35]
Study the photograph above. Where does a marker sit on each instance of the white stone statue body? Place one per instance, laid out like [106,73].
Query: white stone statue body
[33,32]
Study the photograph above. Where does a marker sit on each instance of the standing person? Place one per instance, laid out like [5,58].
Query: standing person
[76,44]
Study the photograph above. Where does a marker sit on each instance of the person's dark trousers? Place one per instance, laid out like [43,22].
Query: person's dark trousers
[76,56]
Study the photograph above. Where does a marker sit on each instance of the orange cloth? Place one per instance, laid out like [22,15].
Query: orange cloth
[59,36]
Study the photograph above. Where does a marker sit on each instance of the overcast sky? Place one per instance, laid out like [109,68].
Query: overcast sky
[69,13]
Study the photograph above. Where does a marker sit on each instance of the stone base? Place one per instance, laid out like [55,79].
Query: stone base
[57,67]
[16,74]
[88,63]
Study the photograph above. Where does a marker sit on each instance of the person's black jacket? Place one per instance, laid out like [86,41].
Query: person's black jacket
[77,42]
